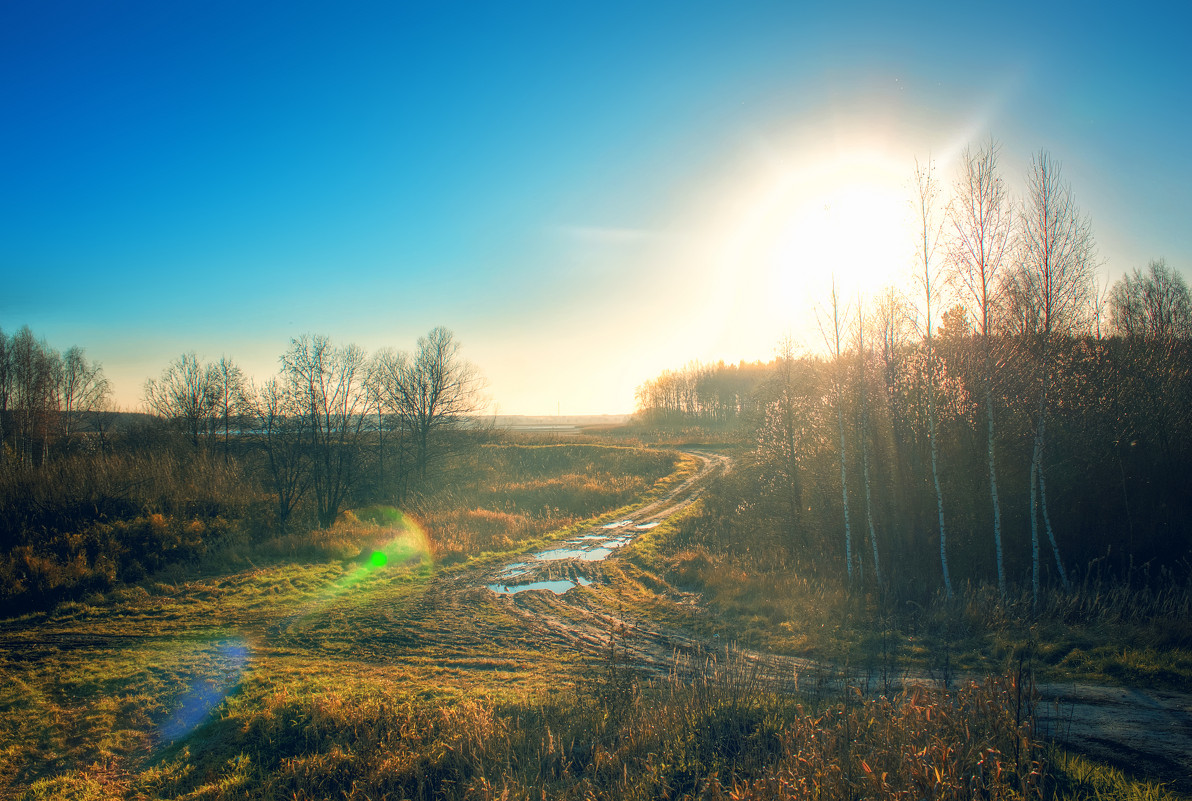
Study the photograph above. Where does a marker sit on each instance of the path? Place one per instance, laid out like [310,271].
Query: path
[1147,732]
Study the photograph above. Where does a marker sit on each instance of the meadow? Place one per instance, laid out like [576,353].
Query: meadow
[368,660]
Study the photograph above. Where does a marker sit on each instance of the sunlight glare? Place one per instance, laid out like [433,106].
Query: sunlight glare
[842,213]
[852,230]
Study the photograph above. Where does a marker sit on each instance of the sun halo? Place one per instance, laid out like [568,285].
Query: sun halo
[844,218]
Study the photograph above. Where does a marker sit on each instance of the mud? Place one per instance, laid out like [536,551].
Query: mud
[599,542]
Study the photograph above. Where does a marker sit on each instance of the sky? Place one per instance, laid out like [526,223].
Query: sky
[586,194]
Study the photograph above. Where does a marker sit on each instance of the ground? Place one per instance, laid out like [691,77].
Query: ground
[109,689]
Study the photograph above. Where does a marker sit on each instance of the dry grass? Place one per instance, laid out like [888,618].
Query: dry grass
[331,679]
[611,735]
[506,496]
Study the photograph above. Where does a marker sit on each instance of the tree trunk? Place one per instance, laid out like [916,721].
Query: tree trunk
[877,565]
[1055,549]
[997,509]
[848,536]
[939,495]
[1035,523]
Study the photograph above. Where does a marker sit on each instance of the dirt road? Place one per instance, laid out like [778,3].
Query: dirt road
[1146,732]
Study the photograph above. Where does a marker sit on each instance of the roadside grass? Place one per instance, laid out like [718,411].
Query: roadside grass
[1077,778]
[606,734]
[507,497]
[1100,631]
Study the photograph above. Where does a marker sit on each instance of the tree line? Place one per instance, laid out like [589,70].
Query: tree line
[47,399]
[317,419]
[333,424]
[1007,413]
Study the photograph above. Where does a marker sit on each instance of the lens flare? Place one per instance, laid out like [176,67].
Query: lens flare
[402,543]
[207,689]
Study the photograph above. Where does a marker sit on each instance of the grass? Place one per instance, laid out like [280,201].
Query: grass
[1076,778]
[763,597]
[604,734]
[323,673]
[98,682]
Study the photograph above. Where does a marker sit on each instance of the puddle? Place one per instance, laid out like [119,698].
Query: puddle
[558,587]
[592,547]
[582,554]
[646,526]
[514,570]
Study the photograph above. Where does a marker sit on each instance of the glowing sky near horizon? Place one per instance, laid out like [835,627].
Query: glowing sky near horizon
[585,193]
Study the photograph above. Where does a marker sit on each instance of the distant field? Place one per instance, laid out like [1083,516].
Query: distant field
[516,422]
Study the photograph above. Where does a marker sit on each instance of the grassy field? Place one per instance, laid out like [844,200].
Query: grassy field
[1097,632]
[368,662]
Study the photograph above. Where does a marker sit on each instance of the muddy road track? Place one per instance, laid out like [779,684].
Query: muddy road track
[1146,732]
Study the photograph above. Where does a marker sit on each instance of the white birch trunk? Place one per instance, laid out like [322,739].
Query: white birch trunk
[848,536]
[877,565]
[939,495]
[1055,550]
[997,509]
[1035,521]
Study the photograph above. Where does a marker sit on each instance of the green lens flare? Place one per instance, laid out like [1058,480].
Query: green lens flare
[379,558]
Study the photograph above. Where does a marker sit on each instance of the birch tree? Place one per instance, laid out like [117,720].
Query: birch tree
[981,220]
[184,394]
[1058,269]
[925,199]
[863,435]
[432,390]
[83,388]
[834,337]
[328,384]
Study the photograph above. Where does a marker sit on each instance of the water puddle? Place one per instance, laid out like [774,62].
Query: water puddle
[590,547]
[646,526]
[558,586]
[582,554]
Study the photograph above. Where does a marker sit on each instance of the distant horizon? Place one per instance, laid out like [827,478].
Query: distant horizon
[585,195]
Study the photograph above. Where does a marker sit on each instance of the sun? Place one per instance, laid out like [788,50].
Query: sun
[842,217]
[853,231]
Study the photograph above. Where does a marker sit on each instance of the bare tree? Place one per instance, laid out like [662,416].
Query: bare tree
[1152,305]
[278,413]
[1058,251]
[834,338]
[83,389]
[863,434]
[6,378]
[925,198]
[35,370]
[184,394]
[981,224]
[328,384]
[433,390]
[229,388]
[782,438]
[1058,269]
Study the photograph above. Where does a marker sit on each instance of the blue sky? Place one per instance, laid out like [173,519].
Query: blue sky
[567,186]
